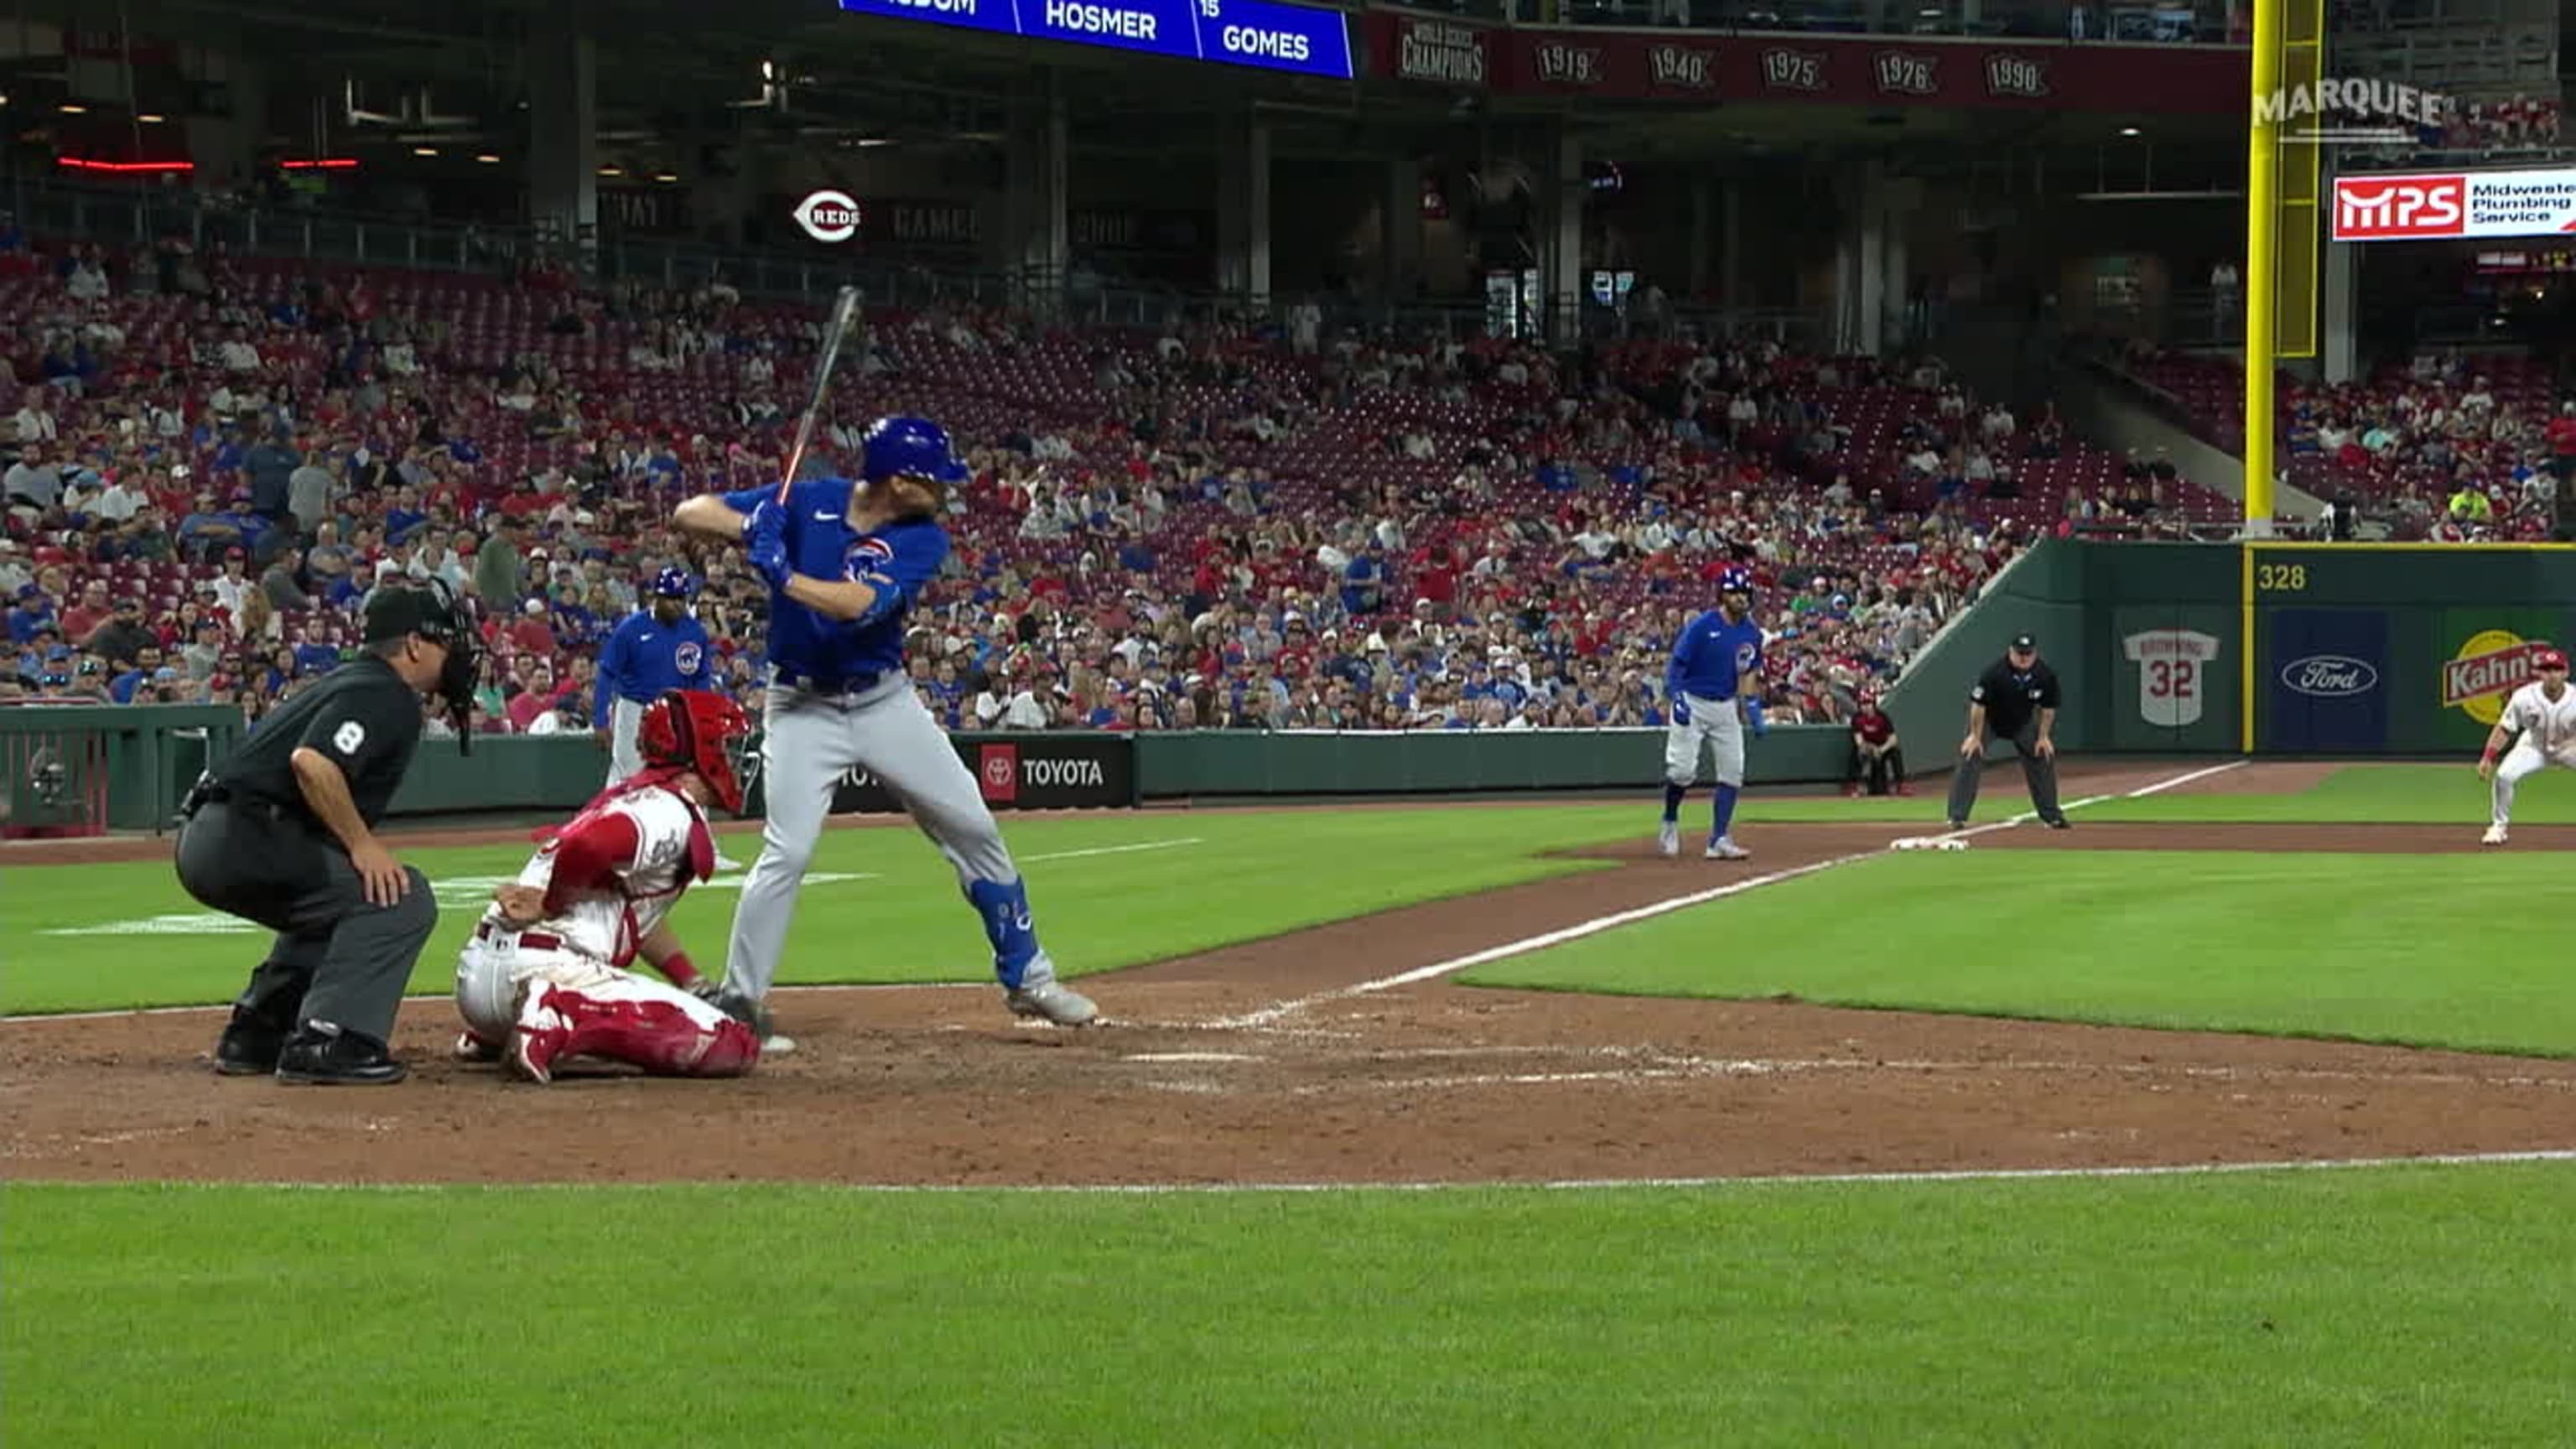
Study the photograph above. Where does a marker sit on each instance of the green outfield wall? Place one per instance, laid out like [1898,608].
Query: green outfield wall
[2168,649]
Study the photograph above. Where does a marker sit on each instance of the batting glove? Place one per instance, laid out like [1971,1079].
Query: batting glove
[1753,717]
[1681,710]
[767,523]
[769,556]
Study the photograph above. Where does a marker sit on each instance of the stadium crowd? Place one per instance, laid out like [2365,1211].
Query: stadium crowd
[213,461]
[2446,447]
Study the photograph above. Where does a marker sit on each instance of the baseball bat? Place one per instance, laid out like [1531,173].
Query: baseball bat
[845,309]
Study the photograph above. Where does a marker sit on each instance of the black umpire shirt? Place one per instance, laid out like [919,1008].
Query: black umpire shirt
[360,716]
[2014,697]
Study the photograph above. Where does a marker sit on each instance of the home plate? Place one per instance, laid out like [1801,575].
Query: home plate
[1929,842]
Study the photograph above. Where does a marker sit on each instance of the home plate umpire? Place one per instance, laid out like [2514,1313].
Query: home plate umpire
[283,834]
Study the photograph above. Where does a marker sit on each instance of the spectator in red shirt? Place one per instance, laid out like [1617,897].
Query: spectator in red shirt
[1876,759]
[2561,433]
[532,634]
[541,695]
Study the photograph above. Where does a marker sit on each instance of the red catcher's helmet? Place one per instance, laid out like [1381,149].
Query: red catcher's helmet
[698,731]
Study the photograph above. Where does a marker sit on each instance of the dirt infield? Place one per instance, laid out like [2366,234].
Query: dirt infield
[1273,1062]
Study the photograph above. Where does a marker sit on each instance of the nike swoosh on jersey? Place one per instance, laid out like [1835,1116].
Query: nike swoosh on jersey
[826,516]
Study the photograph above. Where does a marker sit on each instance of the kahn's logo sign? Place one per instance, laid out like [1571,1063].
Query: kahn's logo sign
[1569,65]
[1682,66]
[2015,75]
[1793,70]
[1900,73]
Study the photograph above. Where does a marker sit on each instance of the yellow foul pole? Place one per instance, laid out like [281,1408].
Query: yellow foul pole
[2262,263]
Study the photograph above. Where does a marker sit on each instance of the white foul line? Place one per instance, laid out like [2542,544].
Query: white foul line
[1114,849]
[1268,1015]
[2160,785]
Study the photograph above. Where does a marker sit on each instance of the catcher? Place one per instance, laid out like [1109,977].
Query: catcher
[545,977]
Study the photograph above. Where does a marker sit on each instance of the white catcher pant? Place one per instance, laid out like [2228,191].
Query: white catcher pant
[808,742]
[2523,759]
[1714,726]
[625,757]
[488,974]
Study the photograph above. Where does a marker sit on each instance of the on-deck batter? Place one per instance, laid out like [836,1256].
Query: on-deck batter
[2541,720]
[653,651]
[844,563]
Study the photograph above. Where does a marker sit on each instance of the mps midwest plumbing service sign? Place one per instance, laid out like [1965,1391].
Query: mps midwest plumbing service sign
[2430,206]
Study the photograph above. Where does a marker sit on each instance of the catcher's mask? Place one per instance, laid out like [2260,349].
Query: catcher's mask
[700,731]
[437,615]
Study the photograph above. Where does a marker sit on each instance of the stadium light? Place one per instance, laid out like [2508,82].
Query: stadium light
[68,109]
[2128,130]
[323,163]
[126,168]
[424,150]
[150,119]
[488,159]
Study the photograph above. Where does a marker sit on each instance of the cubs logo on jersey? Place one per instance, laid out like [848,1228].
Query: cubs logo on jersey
[869,555]
[686,659]
[1745,654]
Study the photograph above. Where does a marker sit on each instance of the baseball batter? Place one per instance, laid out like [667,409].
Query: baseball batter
[545,977]
[845,561]
[654,650]
[2540,719]
[1714,681]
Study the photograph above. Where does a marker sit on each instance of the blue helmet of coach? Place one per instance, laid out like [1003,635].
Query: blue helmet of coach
[1735,581]
[908,447]
[674,583]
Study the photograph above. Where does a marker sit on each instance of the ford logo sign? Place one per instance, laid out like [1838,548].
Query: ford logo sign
[2329,676]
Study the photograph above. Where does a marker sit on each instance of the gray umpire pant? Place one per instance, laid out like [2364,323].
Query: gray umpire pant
[337,958]
[2039,770]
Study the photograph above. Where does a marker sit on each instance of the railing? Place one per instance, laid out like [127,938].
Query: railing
[2182,23]
[1078,297]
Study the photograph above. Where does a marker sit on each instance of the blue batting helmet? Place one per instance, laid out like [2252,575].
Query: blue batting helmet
[1735,581]
[674,583]
[910,447]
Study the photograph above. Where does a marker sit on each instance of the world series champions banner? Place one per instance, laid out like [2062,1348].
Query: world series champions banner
[1086,771]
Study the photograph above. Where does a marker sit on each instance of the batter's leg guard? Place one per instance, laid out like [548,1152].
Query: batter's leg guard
[1005,909]
[1673,801]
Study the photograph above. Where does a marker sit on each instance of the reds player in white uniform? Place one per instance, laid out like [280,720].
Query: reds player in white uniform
[545,977]
[2541,721]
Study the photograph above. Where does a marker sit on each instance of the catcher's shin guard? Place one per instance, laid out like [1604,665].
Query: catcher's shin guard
[663,1037]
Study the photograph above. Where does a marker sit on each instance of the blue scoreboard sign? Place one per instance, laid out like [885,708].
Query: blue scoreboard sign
[1258,33]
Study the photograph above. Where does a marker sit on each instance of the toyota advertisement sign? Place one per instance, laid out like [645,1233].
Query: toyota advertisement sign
[2433,205]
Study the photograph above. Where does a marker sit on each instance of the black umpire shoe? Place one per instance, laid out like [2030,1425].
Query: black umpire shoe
[2060,822]
[324,1055]
[249,1047]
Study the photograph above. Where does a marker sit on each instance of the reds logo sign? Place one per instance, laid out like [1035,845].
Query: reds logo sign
[2015,75]
[1569,65]
[828,216]
[1903,73]
[1682,67]
[1793,70]
[2374,207]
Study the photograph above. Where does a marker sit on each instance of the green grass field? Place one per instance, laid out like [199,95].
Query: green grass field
[2362,946]
[2419,1304]
[1110,891]
[2383,1306]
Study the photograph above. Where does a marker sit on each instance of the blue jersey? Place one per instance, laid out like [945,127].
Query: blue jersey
[898,561]
[1714,659]
[646,659]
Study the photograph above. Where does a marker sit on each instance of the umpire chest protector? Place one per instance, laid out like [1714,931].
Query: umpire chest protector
[361,716]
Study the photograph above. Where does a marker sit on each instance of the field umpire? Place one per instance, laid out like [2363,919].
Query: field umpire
[2016,699]
[283,834]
